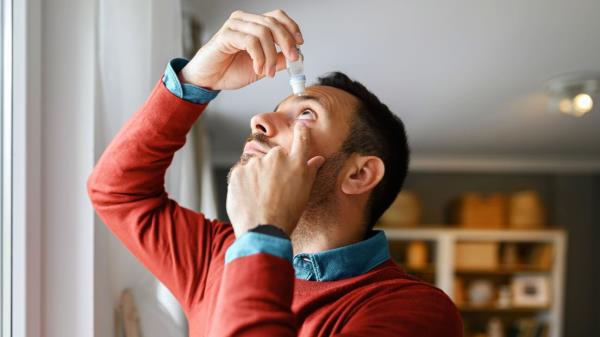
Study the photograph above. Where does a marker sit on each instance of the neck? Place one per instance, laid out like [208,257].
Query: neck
[326,228]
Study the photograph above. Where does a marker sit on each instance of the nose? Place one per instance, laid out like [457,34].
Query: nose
[265,123]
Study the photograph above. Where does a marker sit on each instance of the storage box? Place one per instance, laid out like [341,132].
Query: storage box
[477,255]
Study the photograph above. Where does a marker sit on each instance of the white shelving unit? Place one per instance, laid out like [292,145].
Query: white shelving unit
[445,240]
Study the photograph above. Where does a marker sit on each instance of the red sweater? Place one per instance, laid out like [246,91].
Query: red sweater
[255,295]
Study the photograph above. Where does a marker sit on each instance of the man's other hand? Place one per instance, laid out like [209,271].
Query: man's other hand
[273,189]
[244,50]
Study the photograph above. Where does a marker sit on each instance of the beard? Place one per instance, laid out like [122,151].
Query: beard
[245,157]
[322,207]
[322,203]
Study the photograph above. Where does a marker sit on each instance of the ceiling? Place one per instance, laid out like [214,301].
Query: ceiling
[465,76]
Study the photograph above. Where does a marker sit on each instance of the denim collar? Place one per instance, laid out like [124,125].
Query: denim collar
[343,262]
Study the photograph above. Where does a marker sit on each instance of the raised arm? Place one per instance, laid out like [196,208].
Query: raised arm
[127,191]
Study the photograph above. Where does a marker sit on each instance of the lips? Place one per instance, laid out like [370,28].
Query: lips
[254,147]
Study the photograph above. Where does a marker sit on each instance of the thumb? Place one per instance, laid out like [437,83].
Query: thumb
[314,164]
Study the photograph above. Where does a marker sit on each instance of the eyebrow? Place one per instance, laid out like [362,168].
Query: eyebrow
[304,98]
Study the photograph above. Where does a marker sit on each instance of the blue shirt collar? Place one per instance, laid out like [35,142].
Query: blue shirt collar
[343,262]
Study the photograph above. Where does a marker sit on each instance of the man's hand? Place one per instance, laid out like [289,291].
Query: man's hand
[244,51]
[273,189]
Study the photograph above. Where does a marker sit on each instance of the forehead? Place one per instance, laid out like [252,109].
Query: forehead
[336,102]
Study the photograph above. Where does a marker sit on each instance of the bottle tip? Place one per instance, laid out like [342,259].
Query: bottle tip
[298,87]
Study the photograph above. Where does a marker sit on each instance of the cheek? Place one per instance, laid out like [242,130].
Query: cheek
[323,142]
[333,135]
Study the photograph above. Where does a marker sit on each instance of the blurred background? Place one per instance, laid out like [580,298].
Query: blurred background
[501,208]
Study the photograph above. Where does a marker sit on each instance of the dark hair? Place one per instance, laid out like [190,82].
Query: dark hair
[375,131]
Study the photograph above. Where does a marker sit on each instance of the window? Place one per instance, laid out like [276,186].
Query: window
[5,169]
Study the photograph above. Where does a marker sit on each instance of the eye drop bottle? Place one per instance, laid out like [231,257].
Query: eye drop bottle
[296,71]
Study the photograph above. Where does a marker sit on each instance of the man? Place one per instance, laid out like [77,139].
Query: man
[320,170]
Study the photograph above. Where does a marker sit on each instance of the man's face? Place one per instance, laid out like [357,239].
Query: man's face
[327,111]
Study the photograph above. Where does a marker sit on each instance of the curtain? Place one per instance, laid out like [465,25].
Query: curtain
[136,39]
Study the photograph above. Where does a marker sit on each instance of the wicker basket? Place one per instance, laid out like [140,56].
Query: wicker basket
[526,210]
[475,211]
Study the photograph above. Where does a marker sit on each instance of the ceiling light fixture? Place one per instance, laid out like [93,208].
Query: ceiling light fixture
[573,93]
[582,103]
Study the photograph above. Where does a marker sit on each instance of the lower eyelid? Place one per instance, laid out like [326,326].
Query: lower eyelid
[305,121]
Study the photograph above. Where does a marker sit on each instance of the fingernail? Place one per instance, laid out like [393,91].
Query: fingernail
[293,54]
[321,162]
[299,38]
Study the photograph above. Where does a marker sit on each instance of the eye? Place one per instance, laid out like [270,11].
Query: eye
[307,115]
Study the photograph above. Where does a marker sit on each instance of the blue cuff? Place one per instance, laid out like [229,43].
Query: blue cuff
[251,243]
[188,92]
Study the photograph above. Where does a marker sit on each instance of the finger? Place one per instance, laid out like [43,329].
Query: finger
[251,44]
[300,142]
[275,151]
[280,65]
[282,36]
[314,164]
[265,36]
[289,23]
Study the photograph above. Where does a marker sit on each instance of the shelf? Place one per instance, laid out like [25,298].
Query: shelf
[503,271]
[446,228]
[497,310]
[430,232]
[470,273]
[441,268]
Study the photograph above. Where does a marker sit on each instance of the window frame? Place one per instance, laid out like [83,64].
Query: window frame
[6,169]
[26,45]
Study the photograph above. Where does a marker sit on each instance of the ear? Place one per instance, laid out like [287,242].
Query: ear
[364,173]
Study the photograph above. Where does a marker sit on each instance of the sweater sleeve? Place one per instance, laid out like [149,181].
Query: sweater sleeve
[255,297]
[127,190]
